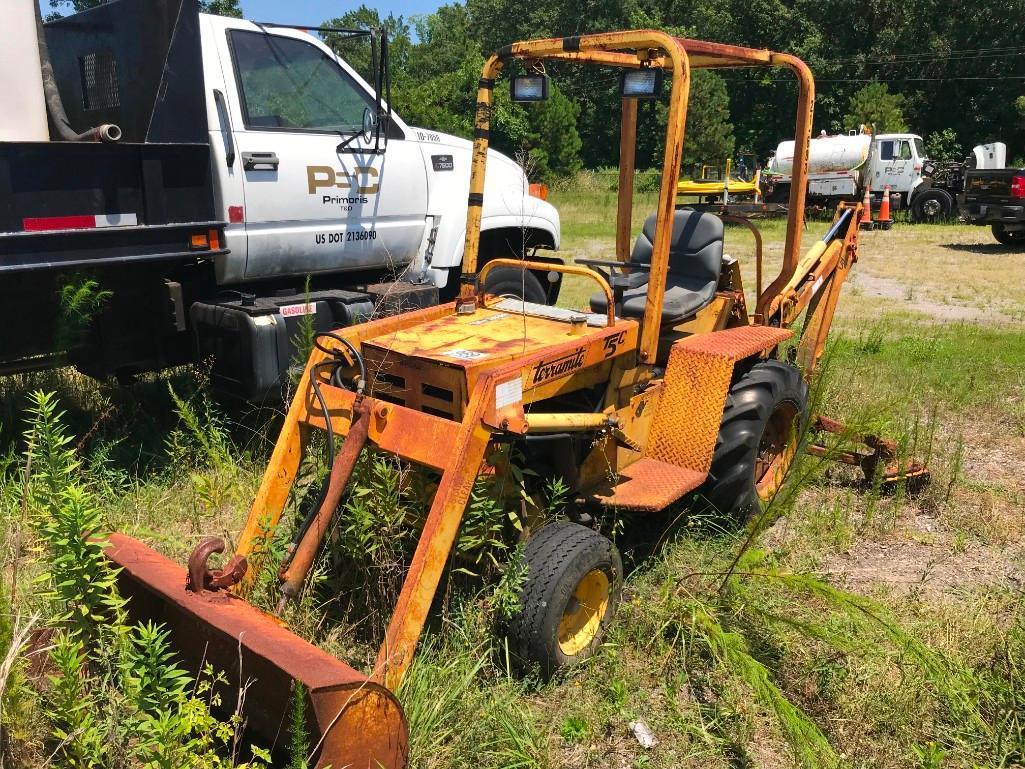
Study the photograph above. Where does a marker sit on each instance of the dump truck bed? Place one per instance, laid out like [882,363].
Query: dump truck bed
[129,219]
[79,204]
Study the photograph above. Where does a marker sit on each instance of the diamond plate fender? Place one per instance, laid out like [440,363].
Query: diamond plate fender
[697,380]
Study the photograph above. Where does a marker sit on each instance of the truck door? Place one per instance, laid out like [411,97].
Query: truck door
[895,166]
[310,205]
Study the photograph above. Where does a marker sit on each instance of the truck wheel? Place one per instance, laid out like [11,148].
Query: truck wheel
[780,194]
[932,205]
[761,425]
[522,284]
[1015,238]
[573,583]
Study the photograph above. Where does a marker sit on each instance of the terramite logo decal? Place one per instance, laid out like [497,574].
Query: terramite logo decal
[557,367]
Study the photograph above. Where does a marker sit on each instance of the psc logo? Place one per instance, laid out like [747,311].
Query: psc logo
[318,177]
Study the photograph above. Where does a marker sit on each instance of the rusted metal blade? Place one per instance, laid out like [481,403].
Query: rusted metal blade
[913,474]
[353,722]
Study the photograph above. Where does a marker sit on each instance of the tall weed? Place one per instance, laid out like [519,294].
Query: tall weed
[117,695]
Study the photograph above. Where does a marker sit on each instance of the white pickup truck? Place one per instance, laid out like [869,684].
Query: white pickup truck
[249,182]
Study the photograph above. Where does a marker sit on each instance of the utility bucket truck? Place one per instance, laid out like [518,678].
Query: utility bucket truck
[202,187]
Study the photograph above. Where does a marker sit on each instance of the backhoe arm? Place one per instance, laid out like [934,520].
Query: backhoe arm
[815,287]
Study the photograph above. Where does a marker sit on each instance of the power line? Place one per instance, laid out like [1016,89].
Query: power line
[956,55]
[905,60]
[920,79]
[884,80]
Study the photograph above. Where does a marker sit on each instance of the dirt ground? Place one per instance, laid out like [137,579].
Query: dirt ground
[946,274]
[931,273]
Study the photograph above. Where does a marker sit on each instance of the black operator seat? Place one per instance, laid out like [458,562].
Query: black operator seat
[695,259]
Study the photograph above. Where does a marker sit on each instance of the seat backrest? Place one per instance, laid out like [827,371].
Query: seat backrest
[695,248]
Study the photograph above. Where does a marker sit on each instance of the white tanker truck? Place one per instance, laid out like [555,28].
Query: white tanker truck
[841,167]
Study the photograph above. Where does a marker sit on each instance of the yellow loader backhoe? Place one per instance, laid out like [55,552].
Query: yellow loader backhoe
[667,386]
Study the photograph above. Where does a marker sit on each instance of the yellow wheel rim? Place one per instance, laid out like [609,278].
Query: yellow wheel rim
[776,450]
[583,615]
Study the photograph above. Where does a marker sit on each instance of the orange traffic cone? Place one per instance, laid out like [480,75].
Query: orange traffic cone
[866,211]
[884,222]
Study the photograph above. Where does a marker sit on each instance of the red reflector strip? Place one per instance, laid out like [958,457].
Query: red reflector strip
[45,223]
[40,224]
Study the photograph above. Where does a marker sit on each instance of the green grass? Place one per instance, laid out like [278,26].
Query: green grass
[861,629]
[963,366]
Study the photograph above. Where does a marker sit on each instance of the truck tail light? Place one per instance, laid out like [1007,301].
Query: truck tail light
[203,241]
[538,191]
[1018,186]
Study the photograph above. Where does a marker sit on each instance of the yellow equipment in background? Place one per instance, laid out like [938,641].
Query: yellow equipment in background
[725,190]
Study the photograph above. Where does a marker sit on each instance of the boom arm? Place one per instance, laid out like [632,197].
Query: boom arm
[815,286]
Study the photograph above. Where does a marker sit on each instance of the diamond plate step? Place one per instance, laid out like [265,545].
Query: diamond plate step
[648,486]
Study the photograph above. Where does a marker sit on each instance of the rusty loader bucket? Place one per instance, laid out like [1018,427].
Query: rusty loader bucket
[352,721]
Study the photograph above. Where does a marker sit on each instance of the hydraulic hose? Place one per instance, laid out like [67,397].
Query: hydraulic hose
[304,552]
[108,132]
[335,363]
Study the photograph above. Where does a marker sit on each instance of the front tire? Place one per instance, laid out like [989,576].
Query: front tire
[932,205]
[572,590]
[766,409]
[1012,238]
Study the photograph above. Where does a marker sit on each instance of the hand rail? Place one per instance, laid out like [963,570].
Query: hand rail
[743,220]
[569,269]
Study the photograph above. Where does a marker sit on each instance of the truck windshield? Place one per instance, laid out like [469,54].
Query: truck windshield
[289,83]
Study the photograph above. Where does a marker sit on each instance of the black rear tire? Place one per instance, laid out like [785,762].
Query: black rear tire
[522,284]
[932,205]
[564,561]
[1013,238]
[780,194]
[758,406]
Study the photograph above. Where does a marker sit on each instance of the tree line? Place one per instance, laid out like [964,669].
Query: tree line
[952,74]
